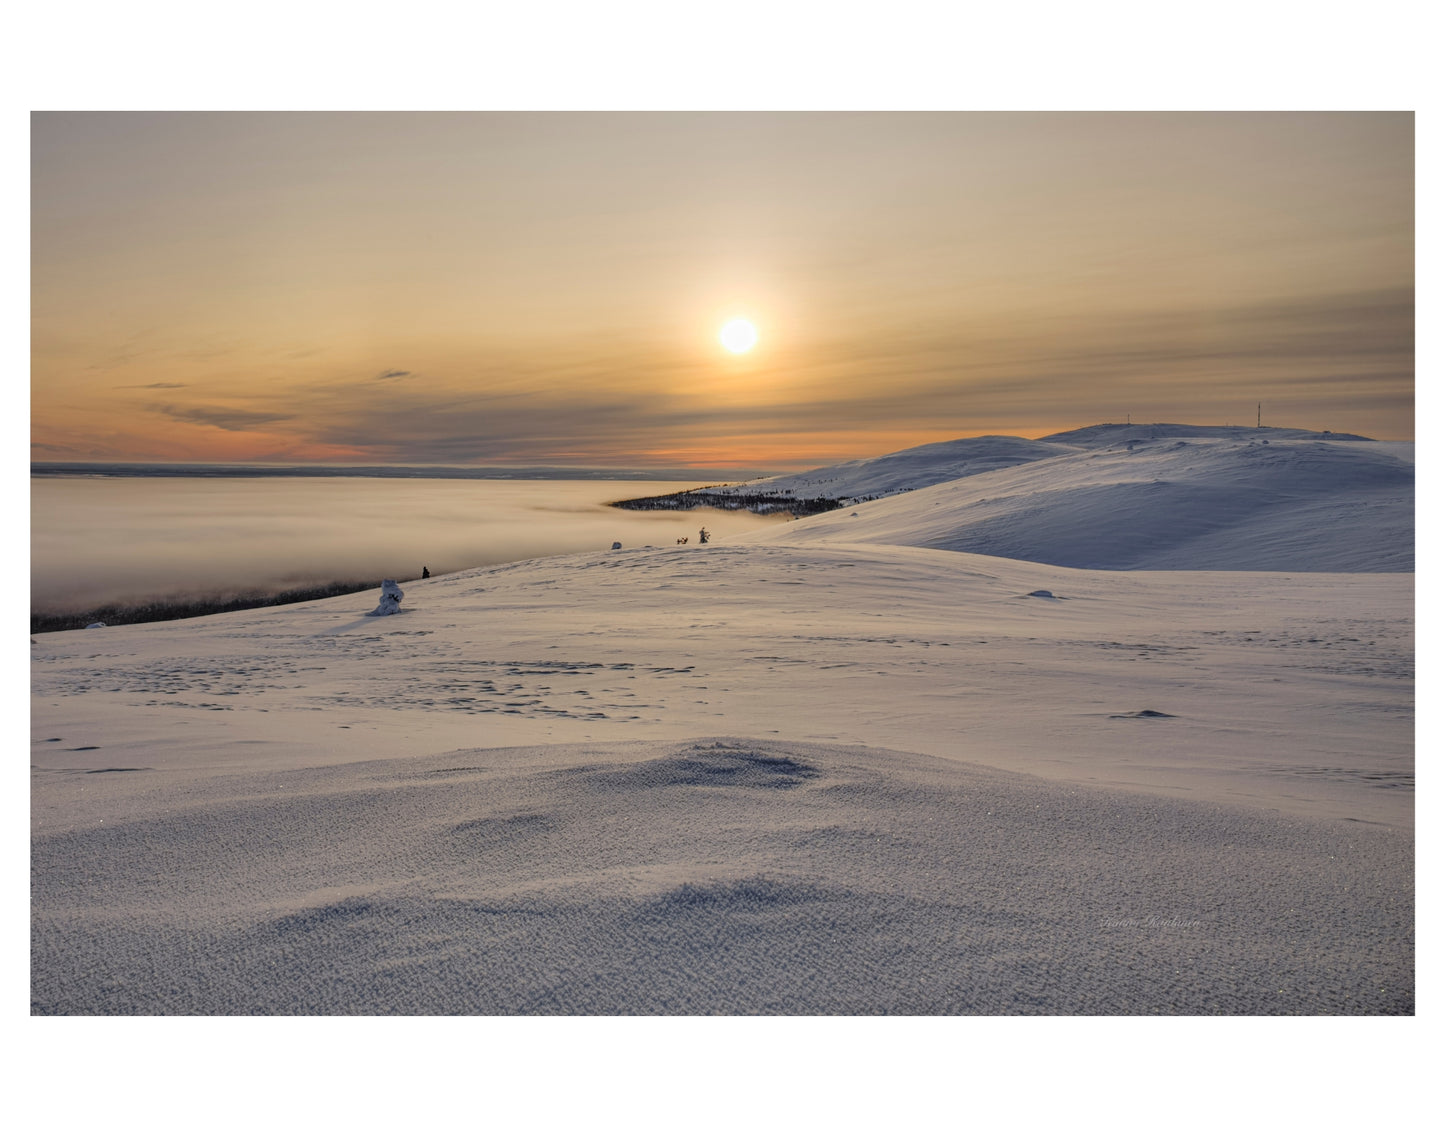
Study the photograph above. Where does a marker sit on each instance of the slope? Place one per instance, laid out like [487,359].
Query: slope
[912,469]
[1227,504]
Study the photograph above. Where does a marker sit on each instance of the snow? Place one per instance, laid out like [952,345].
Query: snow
[390,602]
[843,766]
[1236,504]
[904,470]
[1111,434]
[932,463]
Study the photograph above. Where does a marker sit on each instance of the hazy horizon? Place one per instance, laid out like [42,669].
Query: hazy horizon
[182,538]
[548,289]
[532,471]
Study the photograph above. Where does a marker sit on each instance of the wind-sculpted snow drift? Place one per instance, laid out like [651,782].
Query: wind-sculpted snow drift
[718,876]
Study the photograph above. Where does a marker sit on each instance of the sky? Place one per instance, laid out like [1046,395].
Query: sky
[548,288]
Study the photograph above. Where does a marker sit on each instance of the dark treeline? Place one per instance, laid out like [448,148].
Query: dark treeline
[117,614]
[757,503]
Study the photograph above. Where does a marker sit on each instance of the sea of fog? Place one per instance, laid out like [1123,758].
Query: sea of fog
[99,541]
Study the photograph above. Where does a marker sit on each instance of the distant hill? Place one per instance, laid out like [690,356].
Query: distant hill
[912,469]
[1250,501]
[932,463]
[1110,434]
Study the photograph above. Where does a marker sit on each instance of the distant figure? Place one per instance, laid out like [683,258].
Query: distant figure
[702,536]
[682,540]
[617,544]
[425,572]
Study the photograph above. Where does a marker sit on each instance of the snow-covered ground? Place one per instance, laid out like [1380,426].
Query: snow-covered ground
[912,469]
[823,768]
[932,463]
[1236,504]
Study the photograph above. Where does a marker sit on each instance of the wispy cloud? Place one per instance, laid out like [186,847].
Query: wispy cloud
[157,384]
[586,402]
[227,419]
[584,405]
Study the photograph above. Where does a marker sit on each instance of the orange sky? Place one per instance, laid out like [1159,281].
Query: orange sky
[547,288]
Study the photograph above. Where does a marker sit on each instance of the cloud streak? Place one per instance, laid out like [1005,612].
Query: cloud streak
[227,419]
[1340,348]
[1325,359]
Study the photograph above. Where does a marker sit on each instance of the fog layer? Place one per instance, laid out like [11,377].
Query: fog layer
[102,541]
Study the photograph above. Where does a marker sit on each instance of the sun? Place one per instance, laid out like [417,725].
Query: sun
[738,336]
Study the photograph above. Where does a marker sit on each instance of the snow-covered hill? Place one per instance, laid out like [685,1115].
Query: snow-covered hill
[917,467]
[1110,434]
[1212,503]
[912,469]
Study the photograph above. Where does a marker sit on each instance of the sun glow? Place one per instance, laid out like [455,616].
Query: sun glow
[738,336]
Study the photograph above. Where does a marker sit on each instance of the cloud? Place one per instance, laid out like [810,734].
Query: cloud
[157,384]
[227,419]
[1038,374]
[585,404]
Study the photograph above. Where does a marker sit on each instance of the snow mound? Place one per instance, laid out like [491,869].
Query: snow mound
[390,603]
[1217,504]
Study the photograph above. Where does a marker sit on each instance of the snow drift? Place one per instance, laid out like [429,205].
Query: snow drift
[390,601]
[721,876]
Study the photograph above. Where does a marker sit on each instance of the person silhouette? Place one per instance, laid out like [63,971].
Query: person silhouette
[425,572]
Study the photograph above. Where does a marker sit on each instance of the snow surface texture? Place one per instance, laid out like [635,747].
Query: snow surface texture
[905,470]
[1236,504]
[824,775]
[715,876]
[932,463]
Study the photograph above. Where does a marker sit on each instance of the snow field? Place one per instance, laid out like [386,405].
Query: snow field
[825,768]
[723,876]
